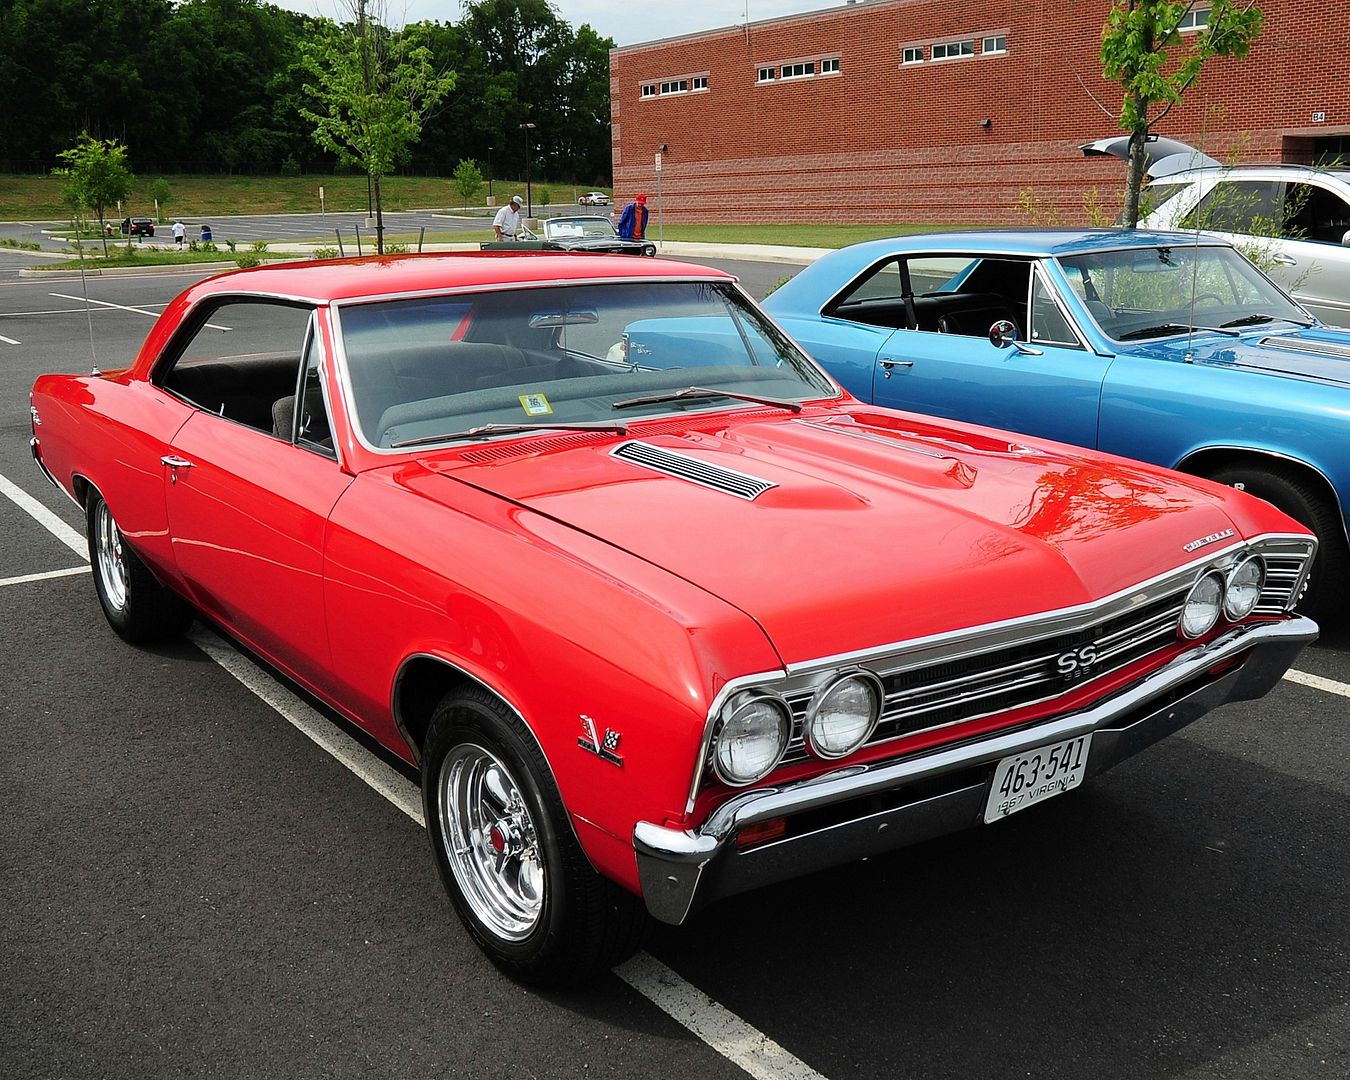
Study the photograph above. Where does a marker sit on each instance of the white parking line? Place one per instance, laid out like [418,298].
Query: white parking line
[124,307]
[1330,686]
[9,340]
[26,578]
[45,518]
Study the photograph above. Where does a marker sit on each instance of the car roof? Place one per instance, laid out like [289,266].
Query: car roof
[1032,242]
[1270,171]
[349,279]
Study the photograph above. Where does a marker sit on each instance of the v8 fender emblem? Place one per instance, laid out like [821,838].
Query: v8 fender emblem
[601,747]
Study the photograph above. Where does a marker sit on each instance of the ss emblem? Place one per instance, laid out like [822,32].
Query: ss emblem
[1076,663]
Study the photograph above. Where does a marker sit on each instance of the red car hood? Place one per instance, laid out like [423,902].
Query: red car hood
[878,527]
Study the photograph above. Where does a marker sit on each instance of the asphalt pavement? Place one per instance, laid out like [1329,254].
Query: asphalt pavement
[192,887]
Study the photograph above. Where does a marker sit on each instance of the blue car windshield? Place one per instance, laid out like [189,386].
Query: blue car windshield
[1138,293]
[593,353]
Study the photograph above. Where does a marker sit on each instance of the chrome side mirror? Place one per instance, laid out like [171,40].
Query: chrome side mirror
[1003,333]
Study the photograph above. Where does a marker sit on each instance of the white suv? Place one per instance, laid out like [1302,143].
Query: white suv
[1304,233]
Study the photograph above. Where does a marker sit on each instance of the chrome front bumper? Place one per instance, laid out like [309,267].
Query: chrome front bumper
[897,803]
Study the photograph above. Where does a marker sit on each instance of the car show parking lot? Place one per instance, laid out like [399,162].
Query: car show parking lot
[207,874]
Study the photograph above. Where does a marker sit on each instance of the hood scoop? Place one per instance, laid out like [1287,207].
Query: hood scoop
[693,469]
[1305,345]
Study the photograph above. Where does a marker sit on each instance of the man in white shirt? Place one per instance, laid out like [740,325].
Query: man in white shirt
[507,221]
[179,231]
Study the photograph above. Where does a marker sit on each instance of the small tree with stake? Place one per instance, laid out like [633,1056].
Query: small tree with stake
[372,90]
[1135,53]
[97,176]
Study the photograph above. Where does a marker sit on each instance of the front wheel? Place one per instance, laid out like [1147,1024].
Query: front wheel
[1328,589]
[501,840]
[135,604]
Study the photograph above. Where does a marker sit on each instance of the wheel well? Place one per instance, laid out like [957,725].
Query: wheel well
[421,684]
[1207,462]
[82,488]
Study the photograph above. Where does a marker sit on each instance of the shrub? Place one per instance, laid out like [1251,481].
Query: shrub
[246,259]
[230,244]
[257,247]
[542,196]
[395,248]
[325,253]
[290,167]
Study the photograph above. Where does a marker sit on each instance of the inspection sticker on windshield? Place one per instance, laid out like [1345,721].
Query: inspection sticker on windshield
[1025,779]
[535,405]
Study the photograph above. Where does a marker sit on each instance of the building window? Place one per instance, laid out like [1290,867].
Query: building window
[675,86]
[649,89]
[949,50]
[766,74]
[798,71]
[994,45]
[698,82]
[1195,19]
[830,66]
[913,54]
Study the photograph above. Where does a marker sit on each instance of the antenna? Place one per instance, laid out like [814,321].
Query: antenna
[84,288]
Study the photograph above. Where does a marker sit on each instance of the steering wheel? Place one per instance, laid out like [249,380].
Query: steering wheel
[1218,300]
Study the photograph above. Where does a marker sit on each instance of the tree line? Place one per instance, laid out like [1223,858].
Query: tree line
[218,86]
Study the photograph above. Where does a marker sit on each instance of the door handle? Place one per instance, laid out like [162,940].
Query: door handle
[174,462]
[1284,260]
[890,364]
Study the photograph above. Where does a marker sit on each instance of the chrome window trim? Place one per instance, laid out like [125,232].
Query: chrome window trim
[971,641]
[1039,271]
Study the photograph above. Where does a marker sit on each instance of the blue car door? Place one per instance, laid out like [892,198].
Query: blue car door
[1048,384]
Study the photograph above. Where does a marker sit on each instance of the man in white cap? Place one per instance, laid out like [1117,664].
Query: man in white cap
[507,221]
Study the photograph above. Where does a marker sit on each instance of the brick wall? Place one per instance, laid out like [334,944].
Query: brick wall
[882,141]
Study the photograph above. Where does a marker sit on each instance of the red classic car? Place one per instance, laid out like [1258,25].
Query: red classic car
[660,612]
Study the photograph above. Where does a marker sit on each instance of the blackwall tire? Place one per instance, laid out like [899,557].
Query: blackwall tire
[500,837]
[135,604]
[1327,595]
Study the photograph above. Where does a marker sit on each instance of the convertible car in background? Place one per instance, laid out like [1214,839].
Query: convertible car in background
[586,233]
[1167,347]
[660,612]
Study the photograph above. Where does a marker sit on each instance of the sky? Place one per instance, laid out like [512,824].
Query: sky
[627,23]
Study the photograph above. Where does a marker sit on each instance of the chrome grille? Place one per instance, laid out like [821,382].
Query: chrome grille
[693,469]
[1001,680]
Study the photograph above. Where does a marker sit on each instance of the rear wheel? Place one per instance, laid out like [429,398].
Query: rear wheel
[499,832]
[1328,590]
[136,605]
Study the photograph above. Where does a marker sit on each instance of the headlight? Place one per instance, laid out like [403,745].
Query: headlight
[1203,604]
[1243,590]
[843,715]
[752,738]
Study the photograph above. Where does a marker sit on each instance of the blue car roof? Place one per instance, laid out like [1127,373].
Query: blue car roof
[1030,242]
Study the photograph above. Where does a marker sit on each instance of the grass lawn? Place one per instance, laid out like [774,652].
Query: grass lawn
[26,197]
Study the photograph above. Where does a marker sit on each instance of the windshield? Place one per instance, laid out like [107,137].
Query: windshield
[1138,293]
[570,228]
[430,366]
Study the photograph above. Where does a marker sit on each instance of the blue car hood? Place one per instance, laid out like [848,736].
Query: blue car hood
[1317,354]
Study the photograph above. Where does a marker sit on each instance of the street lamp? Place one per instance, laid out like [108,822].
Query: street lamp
[489,175]
[529,197]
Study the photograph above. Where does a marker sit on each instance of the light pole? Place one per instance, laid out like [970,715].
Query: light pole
[529,197]
[489,175]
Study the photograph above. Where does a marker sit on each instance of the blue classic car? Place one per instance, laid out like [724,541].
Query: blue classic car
[1168,347]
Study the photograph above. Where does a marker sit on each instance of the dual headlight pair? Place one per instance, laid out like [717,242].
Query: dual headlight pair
[757,724]
[1233,595]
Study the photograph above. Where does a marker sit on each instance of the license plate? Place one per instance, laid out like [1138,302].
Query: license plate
[1026,779]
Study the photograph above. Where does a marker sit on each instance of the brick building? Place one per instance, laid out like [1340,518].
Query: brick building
[944,110]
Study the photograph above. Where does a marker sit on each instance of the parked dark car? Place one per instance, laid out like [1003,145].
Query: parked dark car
[138,226]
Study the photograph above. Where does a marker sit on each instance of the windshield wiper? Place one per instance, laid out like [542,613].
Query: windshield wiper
[1261,317]
[705,392]
[484,430]
[1173,328]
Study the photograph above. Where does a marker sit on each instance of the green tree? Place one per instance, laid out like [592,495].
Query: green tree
[97,175]
[1143,50]
[468,180]
[159,192]
[372,89]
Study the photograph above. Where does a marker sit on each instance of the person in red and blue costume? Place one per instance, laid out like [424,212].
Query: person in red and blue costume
[633,221]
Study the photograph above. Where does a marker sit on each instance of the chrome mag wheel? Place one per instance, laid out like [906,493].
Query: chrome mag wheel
[490,842]
[112,569]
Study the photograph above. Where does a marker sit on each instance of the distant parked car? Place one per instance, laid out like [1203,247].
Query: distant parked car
[1296,217]
[1168,347]
[594,198]
[138,226]
[595,234]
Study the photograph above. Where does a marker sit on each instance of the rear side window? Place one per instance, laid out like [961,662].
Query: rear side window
[1314,213]
[1240,206]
